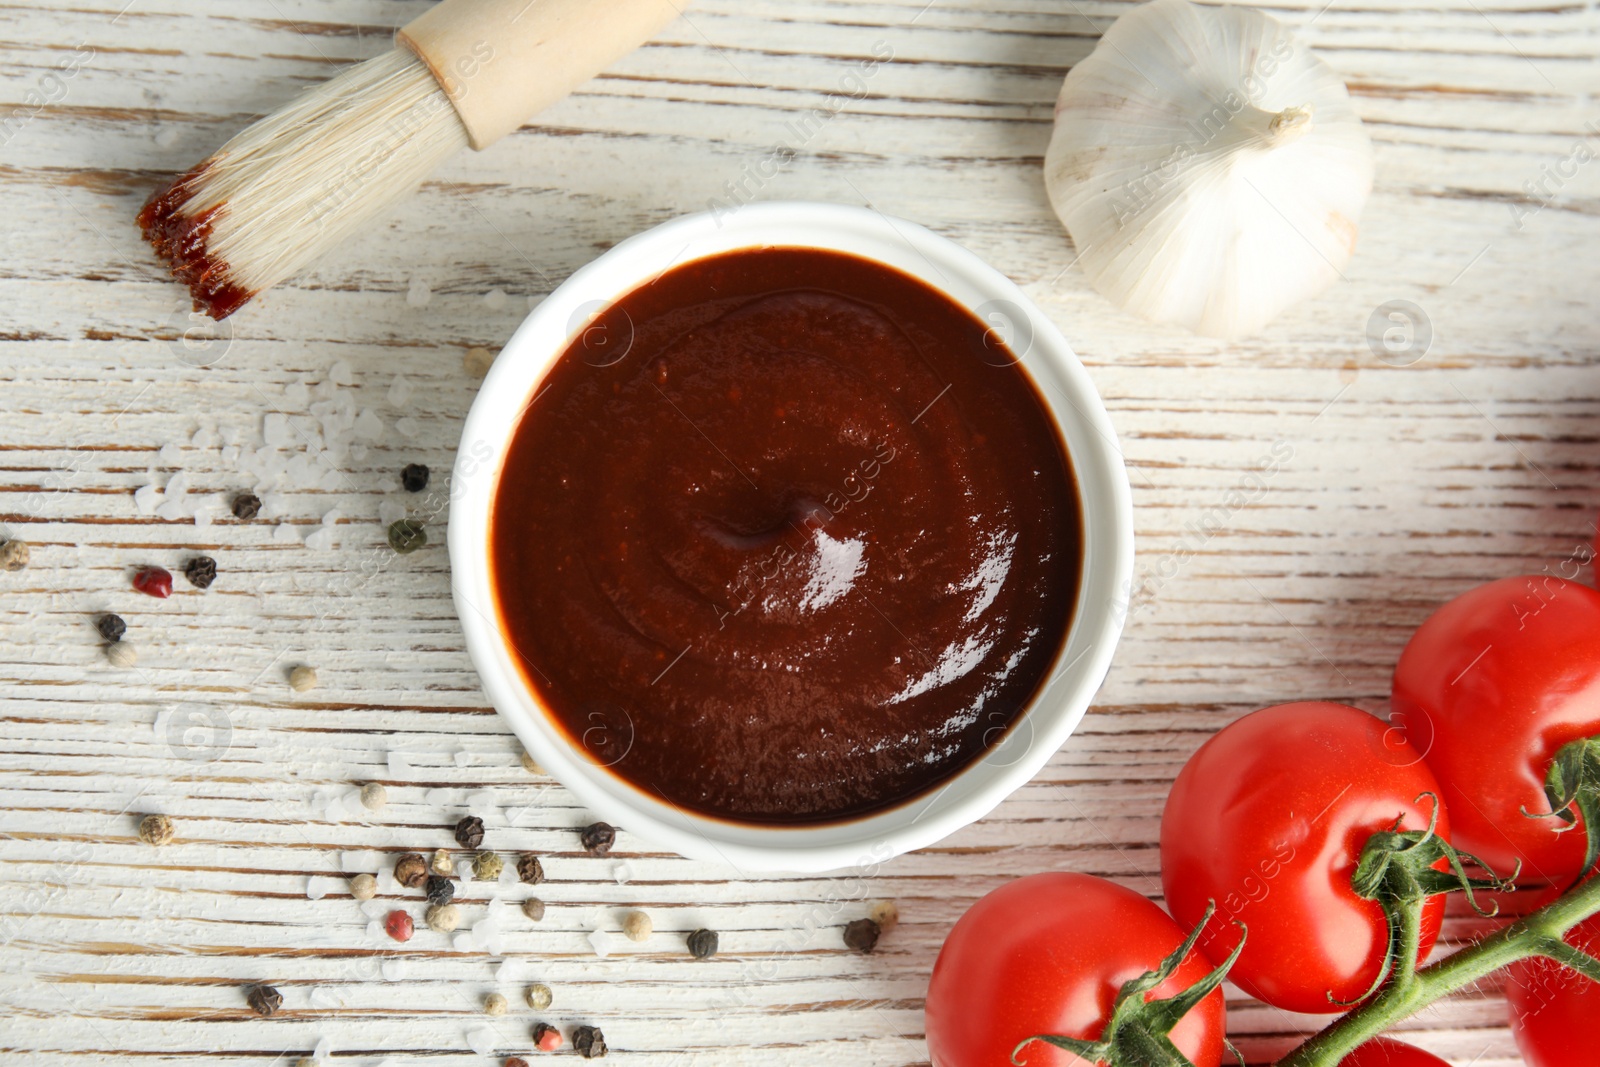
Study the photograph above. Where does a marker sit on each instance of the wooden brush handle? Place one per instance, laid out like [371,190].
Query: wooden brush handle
[503,61]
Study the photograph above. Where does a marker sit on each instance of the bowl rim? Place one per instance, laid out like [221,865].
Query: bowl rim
[1074,405]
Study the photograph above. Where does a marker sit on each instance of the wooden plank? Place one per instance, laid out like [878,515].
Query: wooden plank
[1405,485]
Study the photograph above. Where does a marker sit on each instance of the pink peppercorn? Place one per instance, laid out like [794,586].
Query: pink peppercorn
[399,925]
[154,581]
[546,1037]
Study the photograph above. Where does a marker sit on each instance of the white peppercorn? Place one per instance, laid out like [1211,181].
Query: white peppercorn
[886,914]
[374,797]
[14,555]
[486,866]
[363,887]
[443,918]
[302,679]
[477,360]
[637,925]
[155,830]
[539,996]
[495,1004]
[122,655]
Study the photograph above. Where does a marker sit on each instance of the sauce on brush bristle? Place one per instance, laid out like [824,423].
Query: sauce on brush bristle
[182,241]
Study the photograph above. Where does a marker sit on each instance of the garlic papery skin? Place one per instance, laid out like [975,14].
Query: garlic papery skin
[1210,169]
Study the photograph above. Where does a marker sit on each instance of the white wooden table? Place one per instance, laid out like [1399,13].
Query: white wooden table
[1479,458]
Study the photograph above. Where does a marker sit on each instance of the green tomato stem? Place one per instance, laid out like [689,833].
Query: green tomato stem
[1538,934]
[1405,967]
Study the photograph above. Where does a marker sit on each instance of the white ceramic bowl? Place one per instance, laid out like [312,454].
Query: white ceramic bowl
[1091,444]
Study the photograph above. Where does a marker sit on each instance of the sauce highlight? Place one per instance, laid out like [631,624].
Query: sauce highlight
[785,536]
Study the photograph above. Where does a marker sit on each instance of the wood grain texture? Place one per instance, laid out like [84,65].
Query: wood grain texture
[1404,486]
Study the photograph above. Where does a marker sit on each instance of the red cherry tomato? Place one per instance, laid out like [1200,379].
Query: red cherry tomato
[1046,954]
[1384,1052]
[1489,688]
[1555,1012]
[1268,819]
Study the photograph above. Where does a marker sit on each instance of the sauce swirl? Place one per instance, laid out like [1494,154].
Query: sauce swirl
[785,536]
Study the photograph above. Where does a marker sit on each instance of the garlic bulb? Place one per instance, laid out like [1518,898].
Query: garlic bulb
[1209,168]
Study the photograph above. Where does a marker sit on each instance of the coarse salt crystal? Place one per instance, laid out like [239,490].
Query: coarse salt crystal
[285,533]
[390,512]
[170,454]
[178,485]
[368,426]
[321,540]
[358,862]
[172,510]
[464,941]
[318,887]
[601,942]
[275,430]
[339,373]
[622,872]
[495,299]
[463,758]
[331,482]
[297,394]
[145,499]
[480,1039]
[408,427]
[230,455]
[374,928]
[400,391]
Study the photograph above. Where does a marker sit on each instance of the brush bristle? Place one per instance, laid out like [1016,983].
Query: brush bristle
[295,184]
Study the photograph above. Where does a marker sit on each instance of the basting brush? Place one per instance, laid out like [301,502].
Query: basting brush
[300,181]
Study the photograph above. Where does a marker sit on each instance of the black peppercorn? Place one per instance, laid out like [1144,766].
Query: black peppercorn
[407,535]
[862,935]
[469,832]
[411,870]
[703,944]
[529,869]
[414,477]
[440,890]
[589,1042]
[201,571]
[264,1000]
[111,627]
[599,837]
[246,506]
